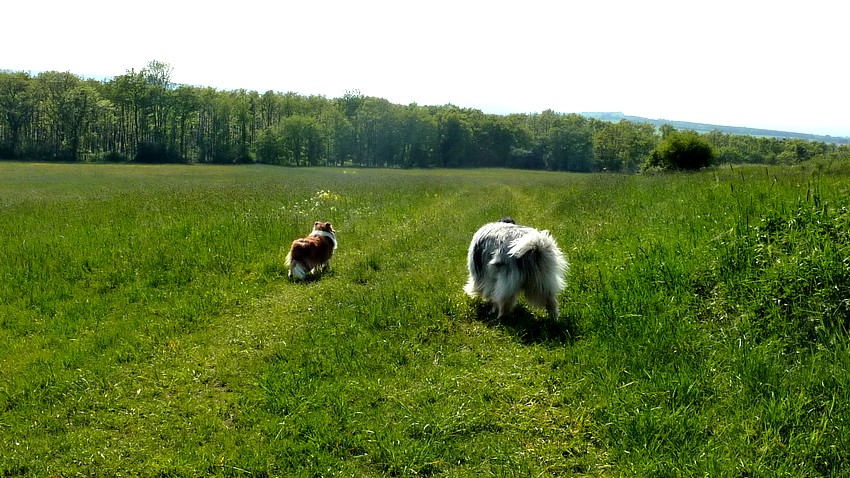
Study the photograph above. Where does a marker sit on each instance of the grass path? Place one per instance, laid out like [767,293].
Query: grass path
[414,338]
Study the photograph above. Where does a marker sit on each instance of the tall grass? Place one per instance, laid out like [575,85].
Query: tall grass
[147,326]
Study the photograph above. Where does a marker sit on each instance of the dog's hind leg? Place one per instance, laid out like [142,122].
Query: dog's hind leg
[504,291]
[552,308]
[298,270]
[504,305]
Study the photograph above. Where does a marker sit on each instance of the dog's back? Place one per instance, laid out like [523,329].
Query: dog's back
[491,243]
[505,258]
[312,249]
[312,252]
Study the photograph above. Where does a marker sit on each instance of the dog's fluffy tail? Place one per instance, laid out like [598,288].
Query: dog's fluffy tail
[533,241]
[296,268]
[540,243]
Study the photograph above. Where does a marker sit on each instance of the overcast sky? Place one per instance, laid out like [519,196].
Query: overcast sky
[767,64]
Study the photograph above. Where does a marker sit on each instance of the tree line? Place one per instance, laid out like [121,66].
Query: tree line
[141,116]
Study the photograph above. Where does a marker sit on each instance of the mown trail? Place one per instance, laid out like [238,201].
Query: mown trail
[390,334]
[389,254]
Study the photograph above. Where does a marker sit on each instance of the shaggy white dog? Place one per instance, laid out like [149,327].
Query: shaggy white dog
[505,259]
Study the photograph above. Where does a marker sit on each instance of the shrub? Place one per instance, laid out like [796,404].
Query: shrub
[685,150]
[156,153]
[115,157]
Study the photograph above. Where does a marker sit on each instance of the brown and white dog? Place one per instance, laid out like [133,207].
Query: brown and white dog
[312,254]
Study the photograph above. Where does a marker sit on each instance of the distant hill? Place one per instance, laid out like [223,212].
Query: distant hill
[705,128]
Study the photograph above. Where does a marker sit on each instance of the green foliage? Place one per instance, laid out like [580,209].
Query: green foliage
[270,147]
[148,152]
[623,146]
[685,150]
[17,105]
[142,115]
[565,142]
[147,325]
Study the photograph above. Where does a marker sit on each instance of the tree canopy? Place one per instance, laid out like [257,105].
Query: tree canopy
[143,116]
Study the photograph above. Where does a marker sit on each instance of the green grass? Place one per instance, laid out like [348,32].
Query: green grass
[147,326]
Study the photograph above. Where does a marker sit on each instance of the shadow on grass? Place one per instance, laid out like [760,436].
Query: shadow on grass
[527,327]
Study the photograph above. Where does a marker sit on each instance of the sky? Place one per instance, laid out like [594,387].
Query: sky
[764,64]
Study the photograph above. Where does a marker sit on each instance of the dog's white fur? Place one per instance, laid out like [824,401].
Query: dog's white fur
[325,234]
[505,259]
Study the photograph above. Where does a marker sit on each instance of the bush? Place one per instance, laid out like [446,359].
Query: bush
[684,150]
[115,157]
[156,153]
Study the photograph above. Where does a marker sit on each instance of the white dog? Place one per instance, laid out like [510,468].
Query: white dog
[505,259]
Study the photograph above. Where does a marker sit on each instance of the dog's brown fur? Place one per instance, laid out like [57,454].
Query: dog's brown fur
[312,254]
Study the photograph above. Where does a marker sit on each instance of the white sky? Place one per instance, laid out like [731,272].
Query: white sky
[769,64]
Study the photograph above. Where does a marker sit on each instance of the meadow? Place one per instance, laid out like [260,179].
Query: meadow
[148,328]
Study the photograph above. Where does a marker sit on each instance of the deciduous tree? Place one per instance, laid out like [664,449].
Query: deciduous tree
[17,105]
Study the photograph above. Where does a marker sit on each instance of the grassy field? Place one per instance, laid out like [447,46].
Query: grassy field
[147,326]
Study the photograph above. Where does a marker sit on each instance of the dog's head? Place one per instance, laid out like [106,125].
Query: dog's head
[323,226]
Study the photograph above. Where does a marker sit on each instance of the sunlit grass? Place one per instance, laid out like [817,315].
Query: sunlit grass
[147,325]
